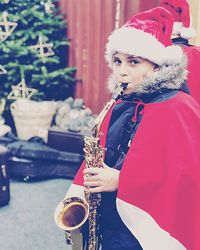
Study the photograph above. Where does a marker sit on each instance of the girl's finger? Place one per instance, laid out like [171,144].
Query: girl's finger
[95,189]
[91,183]
[91,177]
[91,171]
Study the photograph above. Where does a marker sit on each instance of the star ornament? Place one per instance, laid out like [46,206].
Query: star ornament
[45,49]
[21,91]
[6,27]
[49,6]
[2,70]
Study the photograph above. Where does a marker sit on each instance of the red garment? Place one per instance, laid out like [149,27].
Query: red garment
[193,54]
[159,188]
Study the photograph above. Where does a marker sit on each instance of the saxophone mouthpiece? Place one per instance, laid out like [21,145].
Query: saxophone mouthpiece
[119,91]
[124,85]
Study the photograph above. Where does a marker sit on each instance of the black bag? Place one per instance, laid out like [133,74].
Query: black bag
[65,140]
[35,159]
[30,169]
[4,177]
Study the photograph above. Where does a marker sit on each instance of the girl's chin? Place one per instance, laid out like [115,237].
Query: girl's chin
[129,91]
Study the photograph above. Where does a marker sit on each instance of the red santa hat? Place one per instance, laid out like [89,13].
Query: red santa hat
[147,35]
[180,11]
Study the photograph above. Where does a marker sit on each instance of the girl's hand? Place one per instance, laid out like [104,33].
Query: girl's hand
[104,179]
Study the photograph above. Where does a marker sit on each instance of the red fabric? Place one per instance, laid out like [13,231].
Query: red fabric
[193,54]
[157,22]
[179,9]
[161,173]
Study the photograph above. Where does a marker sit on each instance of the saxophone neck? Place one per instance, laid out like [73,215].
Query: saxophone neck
[100,118]
[119,91]
[95,131]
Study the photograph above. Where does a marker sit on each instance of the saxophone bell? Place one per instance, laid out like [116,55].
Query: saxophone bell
[74,214]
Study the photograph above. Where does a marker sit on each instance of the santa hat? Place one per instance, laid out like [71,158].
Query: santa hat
[180,11]
[147,35]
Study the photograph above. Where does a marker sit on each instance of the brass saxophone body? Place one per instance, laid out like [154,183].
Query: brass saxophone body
[76,210]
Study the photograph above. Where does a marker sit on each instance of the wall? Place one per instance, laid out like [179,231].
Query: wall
[89,24]
[195,14]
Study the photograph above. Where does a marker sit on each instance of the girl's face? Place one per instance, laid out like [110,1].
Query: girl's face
[131,69]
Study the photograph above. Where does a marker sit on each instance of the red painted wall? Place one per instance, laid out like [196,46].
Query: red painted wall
[89,24]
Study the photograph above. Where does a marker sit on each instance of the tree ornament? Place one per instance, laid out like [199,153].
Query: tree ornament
[49,7]
[2,70]
[6,27]
[2,105]
[21,91]
[5,1]
[45,49]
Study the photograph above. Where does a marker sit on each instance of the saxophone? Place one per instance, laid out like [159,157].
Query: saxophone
[76,210]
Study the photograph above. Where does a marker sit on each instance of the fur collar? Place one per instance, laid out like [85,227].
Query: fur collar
[167,77]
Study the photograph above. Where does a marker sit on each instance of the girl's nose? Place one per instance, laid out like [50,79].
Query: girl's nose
[123,70]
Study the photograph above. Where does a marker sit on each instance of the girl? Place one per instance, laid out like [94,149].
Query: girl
[149,182]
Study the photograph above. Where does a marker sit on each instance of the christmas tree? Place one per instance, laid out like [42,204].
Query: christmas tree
[34,47]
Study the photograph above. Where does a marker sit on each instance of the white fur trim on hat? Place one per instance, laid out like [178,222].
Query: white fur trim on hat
[136,42]
[179,29]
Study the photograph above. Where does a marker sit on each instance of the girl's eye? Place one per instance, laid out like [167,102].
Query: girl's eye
[133,61]
[117,61]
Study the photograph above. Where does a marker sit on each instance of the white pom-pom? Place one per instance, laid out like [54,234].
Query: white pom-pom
[174,54]
[187,33]
[177,28]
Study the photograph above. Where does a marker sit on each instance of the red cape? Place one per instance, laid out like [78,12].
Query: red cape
[159,187]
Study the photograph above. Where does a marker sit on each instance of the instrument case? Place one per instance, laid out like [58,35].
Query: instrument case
[4,177]
[65,140]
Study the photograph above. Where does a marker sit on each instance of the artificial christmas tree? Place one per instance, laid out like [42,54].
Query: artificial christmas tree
[35,50]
